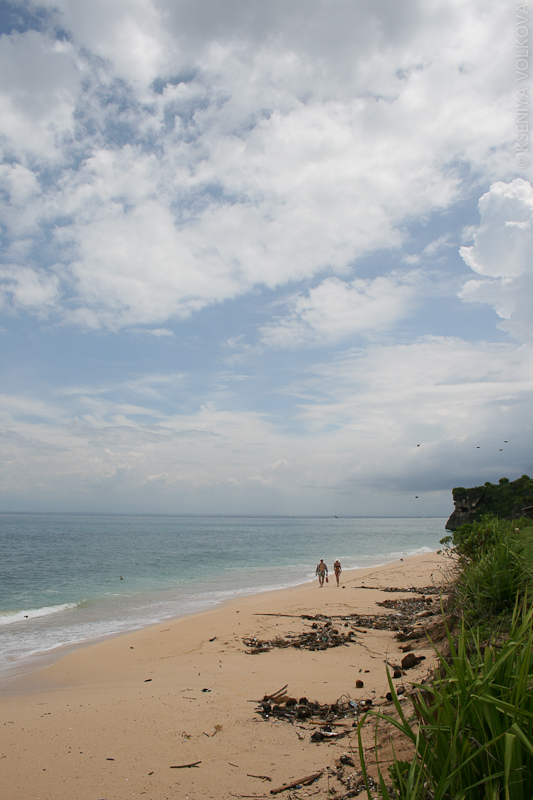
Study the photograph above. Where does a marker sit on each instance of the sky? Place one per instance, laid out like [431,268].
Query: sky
[263,258]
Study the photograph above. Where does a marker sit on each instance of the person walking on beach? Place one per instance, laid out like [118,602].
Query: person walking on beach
[322,572]
[338,569]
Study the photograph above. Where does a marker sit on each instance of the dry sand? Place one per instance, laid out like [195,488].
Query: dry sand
[109,720]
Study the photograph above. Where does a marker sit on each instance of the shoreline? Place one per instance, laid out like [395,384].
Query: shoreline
[180,690]
[37,660]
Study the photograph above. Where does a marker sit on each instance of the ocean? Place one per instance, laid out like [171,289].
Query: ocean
[68,579]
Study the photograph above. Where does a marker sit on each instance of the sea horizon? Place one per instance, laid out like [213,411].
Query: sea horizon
[220,516]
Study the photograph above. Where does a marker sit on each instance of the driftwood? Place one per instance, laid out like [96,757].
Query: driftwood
[408,619]
[411,589]
[185,766]
[269,614]
[301,782]
[275,694]
[261,777]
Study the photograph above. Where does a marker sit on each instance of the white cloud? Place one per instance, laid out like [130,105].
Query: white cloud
[296,141]
[503,252]
[39,85]
[158,332]
[28,289]
[130,34]
[337,309]
[351,437]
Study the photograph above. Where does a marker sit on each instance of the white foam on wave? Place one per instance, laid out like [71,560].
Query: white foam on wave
[9,617]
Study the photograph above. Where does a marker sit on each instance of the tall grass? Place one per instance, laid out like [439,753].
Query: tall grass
[489,586]
[472,727]
[495,565]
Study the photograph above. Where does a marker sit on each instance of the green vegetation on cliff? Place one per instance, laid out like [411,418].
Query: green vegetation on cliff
[502,498]
[505,499]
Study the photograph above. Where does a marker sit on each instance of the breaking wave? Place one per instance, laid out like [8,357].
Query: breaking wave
[9,617]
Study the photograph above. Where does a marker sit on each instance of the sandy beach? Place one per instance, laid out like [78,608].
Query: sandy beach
[121,718]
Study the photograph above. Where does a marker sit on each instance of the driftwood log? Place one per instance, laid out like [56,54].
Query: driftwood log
[301,782]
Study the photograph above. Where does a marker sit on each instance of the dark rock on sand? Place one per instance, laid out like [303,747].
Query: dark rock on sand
[409,661]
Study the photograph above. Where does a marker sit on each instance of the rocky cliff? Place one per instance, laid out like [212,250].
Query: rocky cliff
[505,499]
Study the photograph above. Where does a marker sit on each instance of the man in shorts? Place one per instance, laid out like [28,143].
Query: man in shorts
[322,572]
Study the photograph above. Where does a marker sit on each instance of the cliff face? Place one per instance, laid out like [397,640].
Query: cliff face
[467,506]
[506,499]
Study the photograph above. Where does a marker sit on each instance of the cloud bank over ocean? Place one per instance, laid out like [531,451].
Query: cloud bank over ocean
[253,255]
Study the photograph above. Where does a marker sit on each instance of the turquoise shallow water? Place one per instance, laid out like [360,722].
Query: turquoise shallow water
[60,574]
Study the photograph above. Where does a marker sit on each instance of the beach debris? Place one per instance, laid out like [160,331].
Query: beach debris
[216,729]
[343,714]
[425,606]
[213,639]
[359,684]
[276,694]
[261,777]
[408,618]
[354,783]
[320,736]
[346,760]
[436,590]
[322,636]
[185,766]
[410,660]
[296,784]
